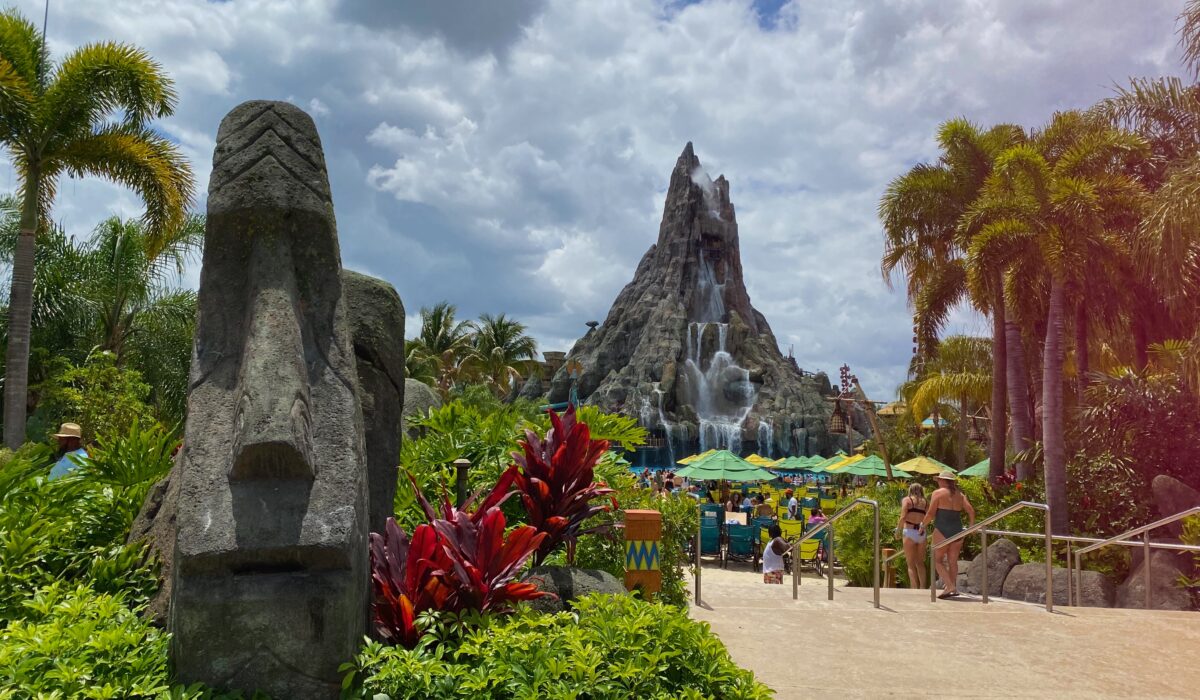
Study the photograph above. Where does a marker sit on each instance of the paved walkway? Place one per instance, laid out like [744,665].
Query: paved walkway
[814,648]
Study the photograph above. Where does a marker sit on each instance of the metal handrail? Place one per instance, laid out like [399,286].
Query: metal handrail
[828,525]
[1144,531]
[981,526]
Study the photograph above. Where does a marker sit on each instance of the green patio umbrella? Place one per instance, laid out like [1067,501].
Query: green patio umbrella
[724,465]
[872,465]
[797,464]
[827,461]
[977,470]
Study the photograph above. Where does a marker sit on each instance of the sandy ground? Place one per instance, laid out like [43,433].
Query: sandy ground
[911,648]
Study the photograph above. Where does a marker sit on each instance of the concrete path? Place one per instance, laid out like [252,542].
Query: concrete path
[911,648]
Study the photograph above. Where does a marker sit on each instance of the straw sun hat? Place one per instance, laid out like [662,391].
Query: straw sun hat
[69,430]
[947,475]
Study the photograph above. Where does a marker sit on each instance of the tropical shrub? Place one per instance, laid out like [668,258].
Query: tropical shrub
[556,483]
[101,397]
[458,561]
[608,647]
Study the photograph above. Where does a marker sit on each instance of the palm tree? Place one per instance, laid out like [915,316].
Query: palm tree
[86,115]
[960,375]
[927,231]
[504,350]
[443,349]
[1060,200]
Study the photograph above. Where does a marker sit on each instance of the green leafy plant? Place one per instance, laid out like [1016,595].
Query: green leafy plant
[614,647]
[101,397]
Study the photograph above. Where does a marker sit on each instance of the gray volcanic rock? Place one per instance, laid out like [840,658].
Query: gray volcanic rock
[1027,582]
[569,583]
[1172,496]
[1002,556]
[1165,591]
[419,397]
[155,527]
[270,578]
[636,362]
[376,317]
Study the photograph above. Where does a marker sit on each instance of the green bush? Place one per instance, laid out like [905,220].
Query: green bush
[101,397]
[73,642]
[609,647]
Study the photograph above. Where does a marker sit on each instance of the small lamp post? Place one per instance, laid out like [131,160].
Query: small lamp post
[462,483]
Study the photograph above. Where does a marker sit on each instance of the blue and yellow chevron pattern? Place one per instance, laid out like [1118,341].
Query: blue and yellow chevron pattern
[641,555]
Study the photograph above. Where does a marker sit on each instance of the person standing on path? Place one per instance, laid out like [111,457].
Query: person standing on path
[70,439]
[946,506]
[912,510]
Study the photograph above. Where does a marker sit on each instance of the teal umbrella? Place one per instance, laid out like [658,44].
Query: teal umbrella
[797,464]
[724,465]
[818,467]
[976,470]
[872,465]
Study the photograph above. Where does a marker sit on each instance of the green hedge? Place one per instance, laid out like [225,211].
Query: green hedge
[616,647]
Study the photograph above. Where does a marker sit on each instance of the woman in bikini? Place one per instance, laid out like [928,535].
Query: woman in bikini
[912,510]
[946,506]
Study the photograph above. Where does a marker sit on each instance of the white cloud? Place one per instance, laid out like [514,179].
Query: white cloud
[514,158]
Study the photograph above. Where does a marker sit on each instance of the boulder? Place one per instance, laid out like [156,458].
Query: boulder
[568,583]
[419,397]
[155,526]
[1027,582]
[376,317]
[963,567]
[1002,555]
[1165,591]
[1172,496]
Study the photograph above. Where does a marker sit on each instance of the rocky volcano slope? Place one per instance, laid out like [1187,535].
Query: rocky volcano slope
[683,349]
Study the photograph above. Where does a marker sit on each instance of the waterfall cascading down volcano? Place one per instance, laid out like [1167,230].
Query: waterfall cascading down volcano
[722,393]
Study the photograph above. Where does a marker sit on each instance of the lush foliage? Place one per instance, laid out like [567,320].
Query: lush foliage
[609,647]
[556,483]
[101,397]
[457,561]
[89,114]
[448,353]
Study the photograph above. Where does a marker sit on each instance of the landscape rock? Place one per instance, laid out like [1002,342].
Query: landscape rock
[1027,582]
[1165,591]
[155,526]
[376,317]
[419,397]
[568,584]
[1172,496]
[687,298]
[270,580]
[1002,555]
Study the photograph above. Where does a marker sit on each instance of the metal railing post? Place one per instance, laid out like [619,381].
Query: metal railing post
[1049,562]
[796,571]
[1146,565]
[984,544]
[932,571]
[877,565]
[1071,579]
[829,561]
[699,527]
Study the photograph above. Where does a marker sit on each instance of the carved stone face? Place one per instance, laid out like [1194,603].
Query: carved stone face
[270,563]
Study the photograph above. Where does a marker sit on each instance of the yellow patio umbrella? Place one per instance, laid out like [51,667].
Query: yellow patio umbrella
[761,461]
[923,465]
[837,466]
[693,458]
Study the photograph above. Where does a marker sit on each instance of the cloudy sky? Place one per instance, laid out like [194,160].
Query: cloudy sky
[512,156]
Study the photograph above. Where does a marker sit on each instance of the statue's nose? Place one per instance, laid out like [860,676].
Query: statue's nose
[273,435]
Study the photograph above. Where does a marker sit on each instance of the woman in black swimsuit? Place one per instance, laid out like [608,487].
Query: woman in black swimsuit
[946,506]
[912,509]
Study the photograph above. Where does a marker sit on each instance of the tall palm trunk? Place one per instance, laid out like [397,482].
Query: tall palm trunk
[1141,356]
[999,382]
[1081,352]
[20,313]
[1052,412]
[1018,397]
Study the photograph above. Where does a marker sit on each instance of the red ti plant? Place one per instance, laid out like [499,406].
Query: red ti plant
[556,482]
[460,561]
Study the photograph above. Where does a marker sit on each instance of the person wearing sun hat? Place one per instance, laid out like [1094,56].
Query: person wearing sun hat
[946,507]
[70,439]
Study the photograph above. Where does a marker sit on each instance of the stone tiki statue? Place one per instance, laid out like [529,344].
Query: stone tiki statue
[270,576]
